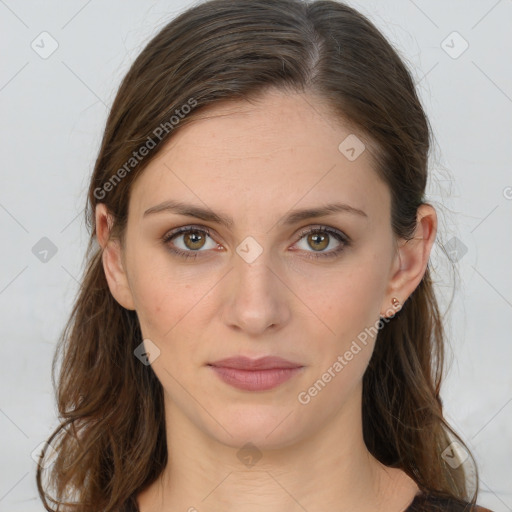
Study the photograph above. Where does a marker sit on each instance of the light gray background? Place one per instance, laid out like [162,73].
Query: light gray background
[53,114]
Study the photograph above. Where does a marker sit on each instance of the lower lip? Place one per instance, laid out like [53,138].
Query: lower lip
[255,380]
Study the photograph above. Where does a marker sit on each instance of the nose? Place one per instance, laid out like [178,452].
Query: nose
[256,297]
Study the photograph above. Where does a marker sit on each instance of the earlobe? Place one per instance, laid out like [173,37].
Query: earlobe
[113,265]
[412,258]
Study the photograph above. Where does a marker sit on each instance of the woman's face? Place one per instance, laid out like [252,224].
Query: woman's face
[266,283]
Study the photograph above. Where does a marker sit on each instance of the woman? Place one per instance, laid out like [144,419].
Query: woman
[257,326]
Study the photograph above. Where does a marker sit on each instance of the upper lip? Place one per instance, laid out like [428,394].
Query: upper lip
[263,363]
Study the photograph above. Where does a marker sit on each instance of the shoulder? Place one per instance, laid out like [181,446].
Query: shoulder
[427,502]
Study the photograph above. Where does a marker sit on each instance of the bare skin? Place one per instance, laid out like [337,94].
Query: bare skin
[255,162]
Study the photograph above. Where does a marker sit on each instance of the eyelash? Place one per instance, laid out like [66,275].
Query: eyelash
[345,241]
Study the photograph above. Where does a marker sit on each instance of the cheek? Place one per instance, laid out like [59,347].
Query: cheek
[350,309]
[157,294]
[344,299]
[346,302]
[168,298]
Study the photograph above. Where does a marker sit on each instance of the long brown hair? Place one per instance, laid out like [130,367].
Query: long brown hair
[110,442]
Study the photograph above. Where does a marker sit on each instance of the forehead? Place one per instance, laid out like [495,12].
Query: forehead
[278,152]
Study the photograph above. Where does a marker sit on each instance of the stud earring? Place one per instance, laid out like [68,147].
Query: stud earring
[396,303]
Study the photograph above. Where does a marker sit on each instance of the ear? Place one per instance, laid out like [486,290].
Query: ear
[112,258]
[411,259]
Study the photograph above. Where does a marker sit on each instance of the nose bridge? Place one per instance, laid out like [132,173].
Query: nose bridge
[256,294]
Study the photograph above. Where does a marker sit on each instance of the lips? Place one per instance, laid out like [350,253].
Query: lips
[261,374]
[263,363]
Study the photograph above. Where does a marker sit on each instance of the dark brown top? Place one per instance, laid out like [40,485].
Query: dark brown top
[432,503]
[421,503]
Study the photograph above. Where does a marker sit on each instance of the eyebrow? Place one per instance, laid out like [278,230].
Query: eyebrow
[293,217]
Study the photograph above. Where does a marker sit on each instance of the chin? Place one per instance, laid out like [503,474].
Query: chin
[268,427]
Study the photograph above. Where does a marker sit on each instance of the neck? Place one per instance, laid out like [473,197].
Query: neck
[331,468]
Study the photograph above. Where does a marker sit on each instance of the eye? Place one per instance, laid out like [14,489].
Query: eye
[191,241]
[320,238]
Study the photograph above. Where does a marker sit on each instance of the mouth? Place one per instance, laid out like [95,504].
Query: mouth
[255,374]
